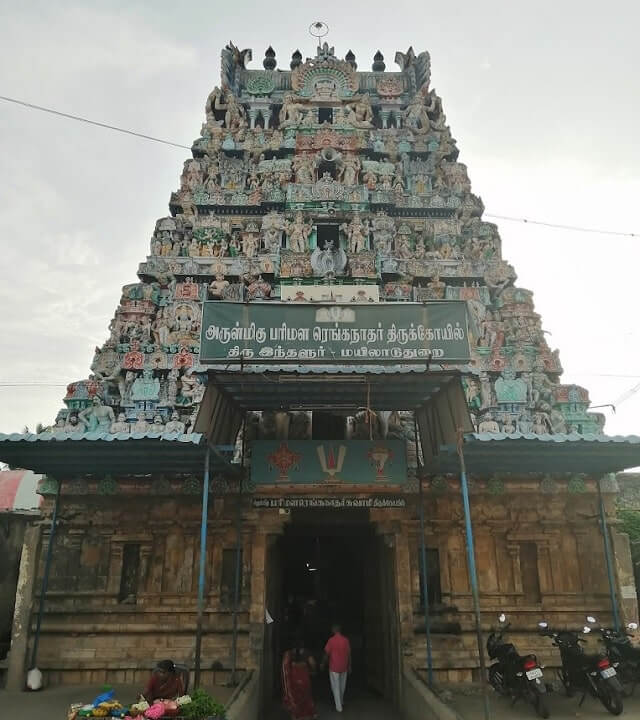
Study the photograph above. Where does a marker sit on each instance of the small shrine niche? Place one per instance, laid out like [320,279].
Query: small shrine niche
[325,115]
[328,236]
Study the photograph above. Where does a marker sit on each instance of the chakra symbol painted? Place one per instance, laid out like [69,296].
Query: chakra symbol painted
[284,460]
[331,461]
[378,456]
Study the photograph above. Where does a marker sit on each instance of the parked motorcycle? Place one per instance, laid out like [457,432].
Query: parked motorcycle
[589,673]
[513,675]
[624,656]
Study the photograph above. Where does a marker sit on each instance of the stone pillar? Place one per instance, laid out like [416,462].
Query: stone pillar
[28,572]
[253,114]
[625,580]
[514,553]
[257,604]
[384,117]
[403,584]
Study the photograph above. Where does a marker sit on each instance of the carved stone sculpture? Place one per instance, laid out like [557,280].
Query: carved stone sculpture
[357,232]
[174,425]
[121,425]
[145,387]
[217,287]
[97,417]
[298,233]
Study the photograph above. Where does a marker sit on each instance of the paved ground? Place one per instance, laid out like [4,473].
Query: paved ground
[470,707]
[53,703]
[358,705]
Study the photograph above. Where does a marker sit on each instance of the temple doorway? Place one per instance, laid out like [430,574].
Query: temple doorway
[327,567]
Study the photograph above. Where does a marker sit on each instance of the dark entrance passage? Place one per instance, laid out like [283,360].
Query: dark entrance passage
[332,567]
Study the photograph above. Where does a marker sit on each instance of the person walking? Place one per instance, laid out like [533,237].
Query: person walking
[337,652]
[298,666]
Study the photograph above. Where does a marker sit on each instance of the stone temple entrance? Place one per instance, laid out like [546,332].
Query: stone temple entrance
[328,567]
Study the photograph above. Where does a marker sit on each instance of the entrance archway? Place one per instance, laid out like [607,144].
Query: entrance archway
[331,566]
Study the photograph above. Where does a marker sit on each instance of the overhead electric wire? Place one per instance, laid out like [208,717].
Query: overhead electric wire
[559,226]
[70,116]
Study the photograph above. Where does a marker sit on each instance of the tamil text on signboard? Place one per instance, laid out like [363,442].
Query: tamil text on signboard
[380,332]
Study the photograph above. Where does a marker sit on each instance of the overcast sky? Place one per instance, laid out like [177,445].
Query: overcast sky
[543,99]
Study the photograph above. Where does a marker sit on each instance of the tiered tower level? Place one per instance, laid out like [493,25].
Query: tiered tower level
[322,183]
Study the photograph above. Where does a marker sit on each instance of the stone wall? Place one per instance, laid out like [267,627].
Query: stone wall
[539,553]
[98,628]
[508,518]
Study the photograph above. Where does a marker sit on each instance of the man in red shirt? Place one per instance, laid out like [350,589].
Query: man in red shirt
[338,652]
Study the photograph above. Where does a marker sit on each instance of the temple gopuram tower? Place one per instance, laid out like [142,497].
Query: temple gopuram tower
[330,187]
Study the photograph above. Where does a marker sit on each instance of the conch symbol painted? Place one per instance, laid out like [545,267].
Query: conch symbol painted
[331,461]
[378,456]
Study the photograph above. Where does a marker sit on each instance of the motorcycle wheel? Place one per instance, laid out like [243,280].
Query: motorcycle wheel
[566,683]
[496,680]
[627,680]
[541,706]
[610,698]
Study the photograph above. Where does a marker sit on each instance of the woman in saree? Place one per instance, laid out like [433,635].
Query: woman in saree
[297,667]
[164,683]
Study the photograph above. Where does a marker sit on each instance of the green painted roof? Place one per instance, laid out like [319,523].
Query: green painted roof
[120,453]
[521,453]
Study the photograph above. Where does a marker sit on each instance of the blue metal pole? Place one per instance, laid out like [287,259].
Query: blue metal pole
[473,577]
[203,565]
[238,568]
[609,558]
[425,588]
[45,576]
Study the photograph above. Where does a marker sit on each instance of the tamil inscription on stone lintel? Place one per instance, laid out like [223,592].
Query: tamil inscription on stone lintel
[329,503]
[334,333]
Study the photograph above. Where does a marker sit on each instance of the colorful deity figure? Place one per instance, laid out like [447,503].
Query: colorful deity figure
[175,425]
[120,425]
[97,417]
[218,286]
[145,387]
[357,232]
[298,233]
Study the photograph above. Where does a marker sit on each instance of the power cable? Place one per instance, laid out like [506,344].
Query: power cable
[559,226]
[92,122]
[526,221]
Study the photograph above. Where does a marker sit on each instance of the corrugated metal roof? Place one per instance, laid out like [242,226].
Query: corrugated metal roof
[521,453]
[331,387]
[557,437]
[97,453]
[194,438]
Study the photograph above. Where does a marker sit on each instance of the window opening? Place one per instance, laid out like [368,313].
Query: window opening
[228,576]
[130,573]
[529,571]
[325,115]
[434,588]
[326,233]
[326,168]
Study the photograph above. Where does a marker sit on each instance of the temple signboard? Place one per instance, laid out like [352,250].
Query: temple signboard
[371,463]
[333,333]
